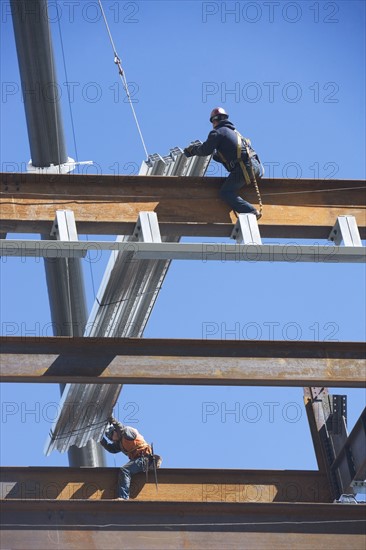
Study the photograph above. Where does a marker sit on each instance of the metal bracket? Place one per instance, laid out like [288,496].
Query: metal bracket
[64,226]
[246,230]
[64,229]
[147,228]
[346,230]
[63,168]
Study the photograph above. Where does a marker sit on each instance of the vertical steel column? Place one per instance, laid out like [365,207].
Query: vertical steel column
[39,82]
[47,144]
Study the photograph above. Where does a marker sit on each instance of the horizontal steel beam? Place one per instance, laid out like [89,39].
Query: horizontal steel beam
[77,525]
[187,362]
[185,485]
[203,252]
[185,205]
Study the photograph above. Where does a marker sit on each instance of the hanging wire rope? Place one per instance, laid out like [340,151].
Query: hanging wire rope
[122,75]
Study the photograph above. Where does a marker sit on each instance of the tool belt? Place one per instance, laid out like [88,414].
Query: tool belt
[143,452]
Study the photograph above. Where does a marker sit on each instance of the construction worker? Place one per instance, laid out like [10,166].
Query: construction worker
[228,148]
[130,442]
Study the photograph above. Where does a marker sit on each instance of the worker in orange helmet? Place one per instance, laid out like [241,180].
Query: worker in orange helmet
[130,442]
[239,158]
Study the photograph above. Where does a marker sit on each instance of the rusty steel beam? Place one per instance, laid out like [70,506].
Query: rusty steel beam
[350,460]
[146,539]
[186,485]
[107,204]
[313,400]
[341,456]
[187,362]
[77,525]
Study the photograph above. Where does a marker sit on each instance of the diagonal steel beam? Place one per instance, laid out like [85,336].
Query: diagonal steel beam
[340,456]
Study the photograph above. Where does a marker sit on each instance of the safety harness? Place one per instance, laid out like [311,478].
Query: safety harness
[249,177]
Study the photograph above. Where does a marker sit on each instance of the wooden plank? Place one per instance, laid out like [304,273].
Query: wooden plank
[188,362]
[185,205]
[183,485]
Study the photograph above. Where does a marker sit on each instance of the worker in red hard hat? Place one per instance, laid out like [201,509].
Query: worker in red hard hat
[236,153]
[130,442]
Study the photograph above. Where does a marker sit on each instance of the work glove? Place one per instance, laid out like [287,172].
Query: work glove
[188,151]
[111,419]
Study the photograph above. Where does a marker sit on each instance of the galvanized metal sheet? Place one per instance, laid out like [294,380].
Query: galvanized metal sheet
[125,299]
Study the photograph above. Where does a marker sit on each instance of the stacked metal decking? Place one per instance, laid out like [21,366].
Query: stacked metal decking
[125,299]
[174,164]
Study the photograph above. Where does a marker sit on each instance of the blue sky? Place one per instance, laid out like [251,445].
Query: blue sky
[291,75]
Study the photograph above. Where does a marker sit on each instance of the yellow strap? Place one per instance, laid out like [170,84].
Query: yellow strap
[223,158]
[245,172]
[238,154]
[238,145]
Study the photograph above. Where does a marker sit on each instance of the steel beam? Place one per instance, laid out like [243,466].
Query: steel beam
[187,362]
[109,204]
[340,456]
[202,252]
[186,485]
[150,539]
[351,458]
[77,525]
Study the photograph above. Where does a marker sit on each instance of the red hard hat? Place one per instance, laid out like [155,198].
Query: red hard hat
[217,112]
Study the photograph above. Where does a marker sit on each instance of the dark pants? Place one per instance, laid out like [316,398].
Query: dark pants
[231,186]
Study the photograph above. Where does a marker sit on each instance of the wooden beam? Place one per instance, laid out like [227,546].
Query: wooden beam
[187,362]
[183,485]
[185,205]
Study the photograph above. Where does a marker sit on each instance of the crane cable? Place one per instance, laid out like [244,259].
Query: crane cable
[122,75]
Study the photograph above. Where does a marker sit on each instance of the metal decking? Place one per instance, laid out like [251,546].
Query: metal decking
[125,299]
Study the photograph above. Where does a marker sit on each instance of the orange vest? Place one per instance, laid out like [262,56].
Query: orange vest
[135,447]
